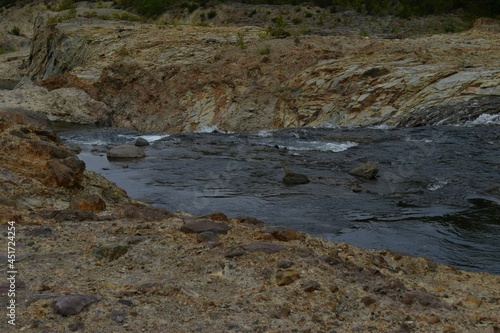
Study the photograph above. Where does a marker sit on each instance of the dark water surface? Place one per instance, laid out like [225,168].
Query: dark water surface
[437,193]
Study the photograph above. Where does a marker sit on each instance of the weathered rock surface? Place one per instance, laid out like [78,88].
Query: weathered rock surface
[183,78]
[367,170]
[168,280]
[38,172]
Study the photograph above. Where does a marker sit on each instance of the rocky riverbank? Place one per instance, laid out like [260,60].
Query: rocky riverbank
[178,77]
[91,259]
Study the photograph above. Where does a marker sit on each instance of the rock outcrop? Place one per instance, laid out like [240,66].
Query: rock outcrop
[182,78]
[38,172]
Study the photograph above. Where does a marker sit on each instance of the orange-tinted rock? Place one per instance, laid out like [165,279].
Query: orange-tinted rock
[90,203]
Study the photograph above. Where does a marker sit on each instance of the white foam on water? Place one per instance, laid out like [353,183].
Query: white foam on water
[210,129]
[320,146]
[437,185]
[485,119]
[153,137]
[149,137]
[264,134]
[383,127]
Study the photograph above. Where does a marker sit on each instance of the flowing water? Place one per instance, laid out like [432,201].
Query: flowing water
[437,193]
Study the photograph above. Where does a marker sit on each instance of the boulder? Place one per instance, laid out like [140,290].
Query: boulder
[125,151]
[141,142]
[368,170]
[293,178]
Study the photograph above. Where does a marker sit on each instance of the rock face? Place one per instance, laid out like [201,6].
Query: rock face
[38,171]
[184,78]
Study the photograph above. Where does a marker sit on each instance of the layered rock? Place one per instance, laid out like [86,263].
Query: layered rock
[182,78]
[38,172]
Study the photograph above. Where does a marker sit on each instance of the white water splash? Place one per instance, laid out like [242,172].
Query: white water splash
[485,119]
[437,185]
[320,146]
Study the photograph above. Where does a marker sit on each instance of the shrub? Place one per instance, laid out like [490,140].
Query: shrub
[15,31]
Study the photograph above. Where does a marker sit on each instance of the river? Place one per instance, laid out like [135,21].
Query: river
[437,193]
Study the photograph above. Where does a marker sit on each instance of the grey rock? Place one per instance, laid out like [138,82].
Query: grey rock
[264,247]
[74,304]
[368,170]
[141,142]
[311,286]
[295,179]
[202,226]
[125,151]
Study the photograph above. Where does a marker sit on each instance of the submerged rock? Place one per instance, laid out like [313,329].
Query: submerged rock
[368,170]
[141,142]
[295,179]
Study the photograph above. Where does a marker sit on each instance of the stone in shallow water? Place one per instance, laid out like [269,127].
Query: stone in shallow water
[74,304]
[141,142]
[368,170]
[125,151]
[295,179]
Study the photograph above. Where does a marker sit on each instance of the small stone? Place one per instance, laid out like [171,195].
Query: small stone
[126,302]
[235,253]
[287,235]
[206,225]
[311,286]
[111,251]
[285,264]
[77,325]
[368,170]
[249,220]
[368,300]
[89,203]
[293,178]
[207,236]
[286,277]
[264,247]
[141,142]
[117,315]
[217,216]
[73,304]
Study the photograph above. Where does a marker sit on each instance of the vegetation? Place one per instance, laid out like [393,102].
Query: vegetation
[401,8]
[16,31]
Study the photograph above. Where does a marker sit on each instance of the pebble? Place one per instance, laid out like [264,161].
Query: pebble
[287,276]
[311,286]
[285,264]
[207,236]
[74,304]
[368,170]
[141,142]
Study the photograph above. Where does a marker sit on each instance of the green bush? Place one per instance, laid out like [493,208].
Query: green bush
[15,31]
